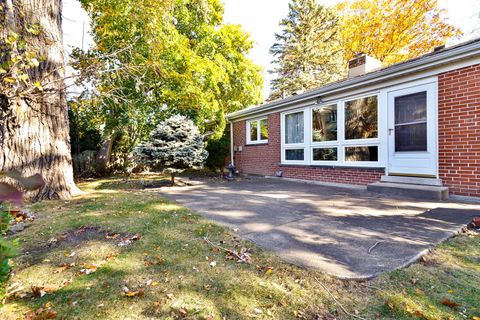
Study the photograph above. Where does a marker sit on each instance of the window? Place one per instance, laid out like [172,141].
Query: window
[325,154]
[294,128]
[324,123]
[264,129]
[293,149]
[343,132]
[257,131]
[411,122]
[369,153]
[361,118]
[295,154]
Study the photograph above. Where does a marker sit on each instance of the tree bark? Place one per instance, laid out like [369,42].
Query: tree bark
[34,132]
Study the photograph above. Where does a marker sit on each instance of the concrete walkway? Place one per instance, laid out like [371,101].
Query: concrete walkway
[327,228]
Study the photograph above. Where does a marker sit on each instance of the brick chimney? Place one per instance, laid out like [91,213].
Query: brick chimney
[361,64]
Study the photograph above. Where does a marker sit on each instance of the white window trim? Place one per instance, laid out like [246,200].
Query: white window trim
[308,145]
[258,141]
[290,146]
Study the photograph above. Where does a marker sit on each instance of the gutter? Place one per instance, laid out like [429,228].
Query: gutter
[462,51]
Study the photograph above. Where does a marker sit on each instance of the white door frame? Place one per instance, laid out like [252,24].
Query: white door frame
[414,163]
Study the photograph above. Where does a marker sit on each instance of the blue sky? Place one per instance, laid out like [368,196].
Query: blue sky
[260,18]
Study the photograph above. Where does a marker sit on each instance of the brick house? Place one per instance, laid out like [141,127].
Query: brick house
[413,125]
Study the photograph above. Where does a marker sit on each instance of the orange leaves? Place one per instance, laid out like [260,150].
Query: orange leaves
[393,30]
[449,303]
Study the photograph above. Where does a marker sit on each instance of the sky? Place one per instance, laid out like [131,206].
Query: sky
[260,18]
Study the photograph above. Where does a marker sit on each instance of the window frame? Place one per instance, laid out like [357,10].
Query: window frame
[247,131]
[340,143]
[293,146]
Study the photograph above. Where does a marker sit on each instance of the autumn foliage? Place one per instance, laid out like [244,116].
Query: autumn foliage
[393,30]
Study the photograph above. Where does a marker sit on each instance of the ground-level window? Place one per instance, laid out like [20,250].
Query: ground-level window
[325,154]
[295,154]
[369,153]
[257,131]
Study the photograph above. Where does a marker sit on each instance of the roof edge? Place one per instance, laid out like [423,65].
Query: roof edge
[422,63]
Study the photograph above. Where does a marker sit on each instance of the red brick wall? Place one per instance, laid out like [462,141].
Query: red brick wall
[459,130]
[265,160]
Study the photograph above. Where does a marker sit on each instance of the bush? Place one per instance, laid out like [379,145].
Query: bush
[218,150]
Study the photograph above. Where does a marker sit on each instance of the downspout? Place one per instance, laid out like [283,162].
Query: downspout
[232,158]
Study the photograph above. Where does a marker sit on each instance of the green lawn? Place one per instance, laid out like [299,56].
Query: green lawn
[171,272]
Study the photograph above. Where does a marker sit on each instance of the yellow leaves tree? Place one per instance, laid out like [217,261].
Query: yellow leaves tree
[393,30]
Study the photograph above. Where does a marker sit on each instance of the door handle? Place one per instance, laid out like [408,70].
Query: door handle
[390,132]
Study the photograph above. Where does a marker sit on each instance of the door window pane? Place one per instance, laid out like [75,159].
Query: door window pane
[361,154]
[264,129]
[324,123]
[325,154]
[411,108]
[294,154]
[253,131]
[411,137]
[411,122]
[361,118]
[294,127]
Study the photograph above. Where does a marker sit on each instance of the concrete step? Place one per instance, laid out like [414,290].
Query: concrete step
[410,190]
[412,180]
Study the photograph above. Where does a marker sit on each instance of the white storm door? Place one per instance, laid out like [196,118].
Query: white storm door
[412,132]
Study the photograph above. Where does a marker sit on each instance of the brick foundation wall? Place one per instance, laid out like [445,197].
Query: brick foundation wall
[459,130]
[265,160]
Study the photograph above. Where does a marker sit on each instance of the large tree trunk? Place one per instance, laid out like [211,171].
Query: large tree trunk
[34,133]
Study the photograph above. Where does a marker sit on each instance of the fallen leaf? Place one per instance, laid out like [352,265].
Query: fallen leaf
[129,293]
[112,235]
[62,268]
[449,303]
[40,291]
[89,269]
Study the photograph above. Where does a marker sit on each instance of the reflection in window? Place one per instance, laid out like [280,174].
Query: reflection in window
[263,129]
[253,131]
[361,118]
[294,127]
[294,154]
[324,123]
[361,154]
[325,154]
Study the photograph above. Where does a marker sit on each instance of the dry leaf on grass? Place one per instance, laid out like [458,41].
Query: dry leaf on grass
[449,303]
[89,268]
[41,314]
[40,291]
[130,293]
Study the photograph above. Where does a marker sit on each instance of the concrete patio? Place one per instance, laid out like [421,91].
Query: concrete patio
[328,228]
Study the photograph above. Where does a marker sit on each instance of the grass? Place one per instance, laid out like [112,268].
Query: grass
[172,273]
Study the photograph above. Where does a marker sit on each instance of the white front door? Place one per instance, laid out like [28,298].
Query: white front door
[412,133]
